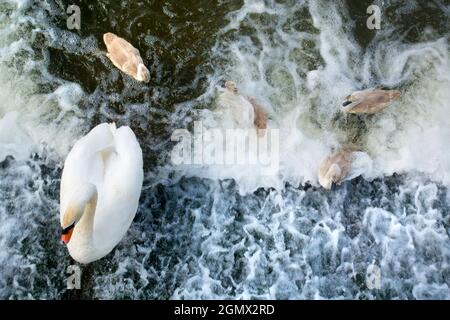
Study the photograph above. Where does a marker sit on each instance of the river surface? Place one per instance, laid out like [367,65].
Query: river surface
[214,232]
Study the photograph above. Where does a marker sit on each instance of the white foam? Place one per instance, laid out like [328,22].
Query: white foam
[14,141]
[40,115]
[51,120]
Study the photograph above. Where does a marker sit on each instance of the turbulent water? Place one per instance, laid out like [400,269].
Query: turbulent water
[224,232]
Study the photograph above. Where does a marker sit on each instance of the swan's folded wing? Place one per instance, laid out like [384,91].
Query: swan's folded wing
[84,163]
[359,95]
[118,52]
[130,67]
[133,51]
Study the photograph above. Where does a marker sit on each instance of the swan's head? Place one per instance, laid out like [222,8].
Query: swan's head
[231,86]
[83,197]
[66,233]
[142,73]
[70,218]
[332,175]
[109,37]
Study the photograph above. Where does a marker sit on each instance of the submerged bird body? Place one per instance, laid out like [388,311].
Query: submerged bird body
[369,101]
[336,167]
[238,111]
[126,57]
[100,189]
[244,112]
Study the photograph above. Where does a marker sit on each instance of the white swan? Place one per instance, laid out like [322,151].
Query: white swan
[100,188]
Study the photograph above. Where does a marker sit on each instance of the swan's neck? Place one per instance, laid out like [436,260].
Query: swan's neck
[82,245]
[85,227]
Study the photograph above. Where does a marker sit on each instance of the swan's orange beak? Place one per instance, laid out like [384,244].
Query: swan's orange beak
[66,234]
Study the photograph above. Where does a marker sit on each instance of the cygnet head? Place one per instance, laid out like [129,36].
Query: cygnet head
[109,37]
[142,73]
[231,86]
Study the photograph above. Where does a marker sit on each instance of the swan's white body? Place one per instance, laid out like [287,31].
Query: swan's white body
[103,169]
